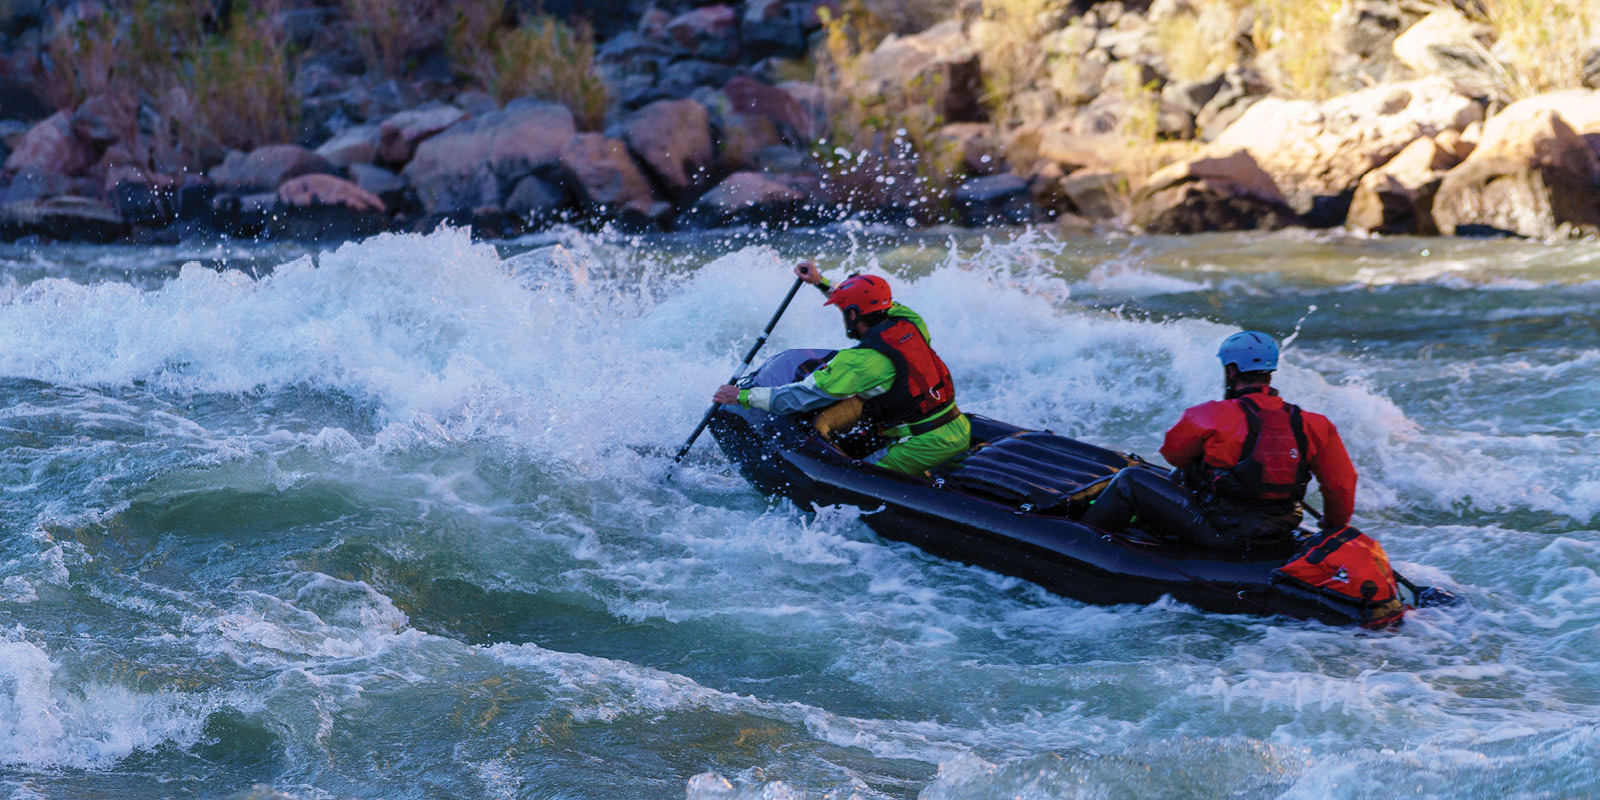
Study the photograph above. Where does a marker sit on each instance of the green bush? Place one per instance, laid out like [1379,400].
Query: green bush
[542,57]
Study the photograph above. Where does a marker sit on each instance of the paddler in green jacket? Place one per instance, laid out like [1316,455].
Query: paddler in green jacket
[904,386]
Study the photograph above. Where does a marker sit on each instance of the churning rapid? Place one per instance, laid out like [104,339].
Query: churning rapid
[389,521]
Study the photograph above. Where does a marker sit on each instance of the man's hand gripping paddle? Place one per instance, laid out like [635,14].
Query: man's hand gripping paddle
[748,357]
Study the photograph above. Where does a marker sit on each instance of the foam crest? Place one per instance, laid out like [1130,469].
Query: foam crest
[48,720]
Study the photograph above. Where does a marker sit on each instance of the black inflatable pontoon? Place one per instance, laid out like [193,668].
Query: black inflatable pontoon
[1003,506]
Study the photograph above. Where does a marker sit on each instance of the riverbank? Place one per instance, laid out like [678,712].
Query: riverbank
[167,121]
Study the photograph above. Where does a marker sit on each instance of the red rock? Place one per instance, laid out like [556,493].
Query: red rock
[747,95]
[52,147]
[710,33]
[605,176]
[327,190]
[672,138]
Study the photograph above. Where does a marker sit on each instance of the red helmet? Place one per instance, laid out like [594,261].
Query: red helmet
[864,293]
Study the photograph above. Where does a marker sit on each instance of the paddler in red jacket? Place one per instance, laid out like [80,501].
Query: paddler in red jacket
[1245,462]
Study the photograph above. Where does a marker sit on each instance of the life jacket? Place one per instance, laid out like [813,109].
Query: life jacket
[1348,566]
[1273,467]
[921,385]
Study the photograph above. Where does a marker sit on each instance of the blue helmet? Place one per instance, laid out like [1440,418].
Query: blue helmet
[1250,351]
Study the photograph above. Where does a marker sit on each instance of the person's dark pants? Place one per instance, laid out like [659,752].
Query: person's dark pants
[1163,506]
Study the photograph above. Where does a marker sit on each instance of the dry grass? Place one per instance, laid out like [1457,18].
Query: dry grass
[543,57]
[883,148]
[1541,43]
[388,32]
[201,82]
[242,95]
[1297,38]
[1200,43]
[1009,51]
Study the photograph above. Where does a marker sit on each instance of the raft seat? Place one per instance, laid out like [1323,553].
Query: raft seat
[1038,472]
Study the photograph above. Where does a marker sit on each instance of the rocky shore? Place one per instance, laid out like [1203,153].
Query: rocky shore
[1083,115]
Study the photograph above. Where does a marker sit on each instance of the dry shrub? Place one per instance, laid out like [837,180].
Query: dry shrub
[1542,43]
[883,149]
[242,94]
[1199,43]
[543,58]
[1143,151]
[1297,38]
[388,31]
[180,80]
[1009,50]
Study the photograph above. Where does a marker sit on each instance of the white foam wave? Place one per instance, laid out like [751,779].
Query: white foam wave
[49,719]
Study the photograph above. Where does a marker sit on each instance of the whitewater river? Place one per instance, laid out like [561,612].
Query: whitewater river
[388,521]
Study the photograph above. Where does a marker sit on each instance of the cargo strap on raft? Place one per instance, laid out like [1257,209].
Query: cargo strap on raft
[1117,540]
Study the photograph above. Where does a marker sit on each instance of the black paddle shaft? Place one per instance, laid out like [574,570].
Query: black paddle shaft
[748,357]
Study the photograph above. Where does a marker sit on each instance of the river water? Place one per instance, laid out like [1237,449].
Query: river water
[389,521]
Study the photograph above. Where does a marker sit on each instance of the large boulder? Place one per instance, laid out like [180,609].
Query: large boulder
[710,33]
[142,198]
[264,169]
[102,120]
[72,219]
[1447,44]
[476,163]
[1398,196]
[605,177]
[672,138]
[1075,151]
[941,61]
[746,198]
[1579,108]
[1318,151]
[1211,193]
[1530,175]
[52,147]
[399,135]
[357,144]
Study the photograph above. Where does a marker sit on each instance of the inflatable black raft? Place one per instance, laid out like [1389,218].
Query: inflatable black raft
[1004,507]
